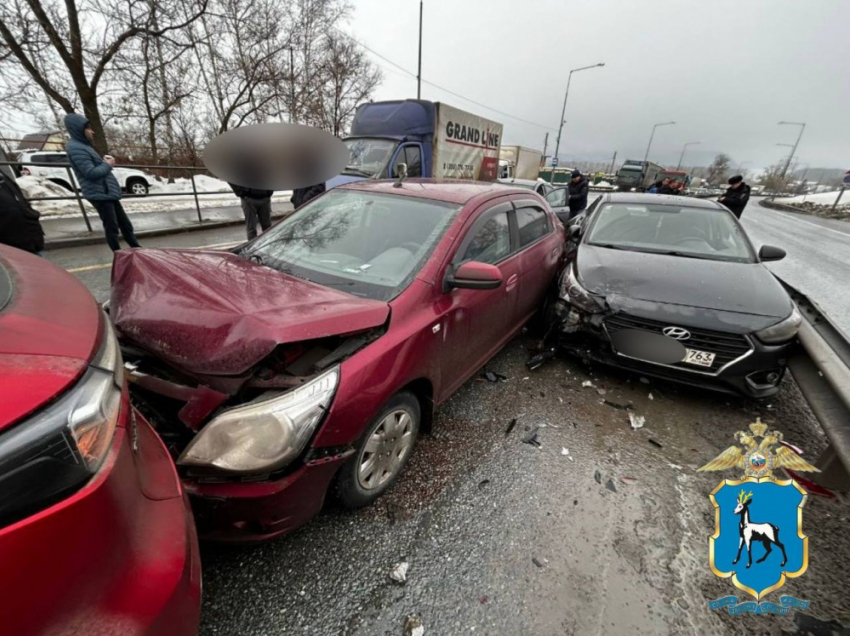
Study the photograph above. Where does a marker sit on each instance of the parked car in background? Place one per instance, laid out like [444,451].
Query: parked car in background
[559,200]
[311,358]
[537,185]
[96,536]
[672,287]
[132,181]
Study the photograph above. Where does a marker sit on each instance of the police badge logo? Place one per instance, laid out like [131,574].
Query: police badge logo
[758,537]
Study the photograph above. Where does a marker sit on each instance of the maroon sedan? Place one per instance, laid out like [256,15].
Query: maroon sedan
[313,356]
[96,536]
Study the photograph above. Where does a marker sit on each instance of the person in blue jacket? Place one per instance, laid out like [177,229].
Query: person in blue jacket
[97,183]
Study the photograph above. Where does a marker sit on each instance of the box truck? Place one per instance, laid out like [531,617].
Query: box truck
[432,138]
[637,175]
[516,162]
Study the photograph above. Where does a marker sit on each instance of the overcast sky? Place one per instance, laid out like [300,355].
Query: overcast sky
[725,71]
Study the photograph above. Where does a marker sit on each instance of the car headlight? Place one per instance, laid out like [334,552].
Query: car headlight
[573,292]
[263,436]
[783,330]
[56,451]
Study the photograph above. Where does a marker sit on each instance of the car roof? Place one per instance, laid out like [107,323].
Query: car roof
[448,190]
[660,199]
[527,182]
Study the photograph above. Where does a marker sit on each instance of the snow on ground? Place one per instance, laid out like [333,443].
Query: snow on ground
[823,198]
[181,199]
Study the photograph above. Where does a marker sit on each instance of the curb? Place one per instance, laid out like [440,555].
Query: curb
[96,237]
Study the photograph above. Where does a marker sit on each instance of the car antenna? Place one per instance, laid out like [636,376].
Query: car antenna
[401,170]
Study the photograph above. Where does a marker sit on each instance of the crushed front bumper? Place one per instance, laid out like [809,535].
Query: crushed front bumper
[756,374]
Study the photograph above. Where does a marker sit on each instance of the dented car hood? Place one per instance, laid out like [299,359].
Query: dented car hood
[743,288]
[215,313]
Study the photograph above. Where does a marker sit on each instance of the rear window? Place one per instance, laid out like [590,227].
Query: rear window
[533,225]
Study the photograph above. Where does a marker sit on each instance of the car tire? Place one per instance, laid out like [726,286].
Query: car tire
[63,183]
[137,187]
[370,471]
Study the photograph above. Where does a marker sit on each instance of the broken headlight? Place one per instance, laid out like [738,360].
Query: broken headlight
[263,436]
[576,295]
[783,330]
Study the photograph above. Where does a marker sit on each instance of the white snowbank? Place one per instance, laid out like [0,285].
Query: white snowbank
[822,198]
[37,187]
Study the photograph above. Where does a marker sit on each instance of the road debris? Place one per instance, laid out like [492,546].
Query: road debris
[536,562]
[628,480]
[586,384]
[399,572]
[494,376]
[654,443]
[636,421]
[650,396]
[531,439]
[413,626]
[610,485]
[601,391]
[644,380]
[565,451]
[483,600]
[537,361]
[510,427]
[483,483]
[618,406]
[597,476]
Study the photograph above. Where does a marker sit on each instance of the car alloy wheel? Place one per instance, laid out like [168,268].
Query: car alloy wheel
[138,188]
[385,451]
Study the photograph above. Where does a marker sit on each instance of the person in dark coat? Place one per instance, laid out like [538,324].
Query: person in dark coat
[300,196]
[667,187]
[97,183]
[578,193]
[256,206]
[736,196]
[19,224]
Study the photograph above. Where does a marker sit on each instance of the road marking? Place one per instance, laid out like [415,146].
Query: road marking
[789,215]
[89,268]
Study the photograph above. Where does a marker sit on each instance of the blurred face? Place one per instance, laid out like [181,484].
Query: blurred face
[89,133]
[577,179]
[666,182]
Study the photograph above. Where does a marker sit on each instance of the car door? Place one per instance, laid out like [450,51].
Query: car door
[479,322]
[559,200]
[541,251]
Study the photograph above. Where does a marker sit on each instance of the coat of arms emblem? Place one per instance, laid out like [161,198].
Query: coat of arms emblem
[758,538]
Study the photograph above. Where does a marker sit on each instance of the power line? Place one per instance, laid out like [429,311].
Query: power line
[445,90]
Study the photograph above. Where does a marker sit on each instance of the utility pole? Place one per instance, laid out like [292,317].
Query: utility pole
[564,109]
[613,161]
[545,147]
[419,69]
[794,148]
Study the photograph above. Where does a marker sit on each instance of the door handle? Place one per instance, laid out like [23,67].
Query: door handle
[511,282]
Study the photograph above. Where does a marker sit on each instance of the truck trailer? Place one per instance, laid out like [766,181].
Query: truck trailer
[516,162]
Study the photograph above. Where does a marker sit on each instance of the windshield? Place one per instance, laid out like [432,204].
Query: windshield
[369,157]
[370,245]
[667,229]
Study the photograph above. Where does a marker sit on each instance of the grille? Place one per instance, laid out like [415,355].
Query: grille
[726,346]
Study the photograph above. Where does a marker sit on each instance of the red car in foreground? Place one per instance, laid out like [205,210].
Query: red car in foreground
[312,357]
[95,533]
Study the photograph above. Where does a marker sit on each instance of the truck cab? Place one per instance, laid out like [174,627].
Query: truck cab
[385,134]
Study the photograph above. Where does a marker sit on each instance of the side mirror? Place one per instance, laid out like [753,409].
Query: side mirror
[401,170]
[475,275]
[771,253]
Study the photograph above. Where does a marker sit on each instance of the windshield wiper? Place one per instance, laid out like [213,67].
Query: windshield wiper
[683,254]
[611,246]
[356,170]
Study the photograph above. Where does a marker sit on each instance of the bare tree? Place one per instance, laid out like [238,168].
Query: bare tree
[67,48]
[719,169]
[347,79]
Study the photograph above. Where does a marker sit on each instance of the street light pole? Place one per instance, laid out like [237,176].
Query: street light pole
[796,143]
[684,148]
[564,109]
[649,145]
[419,69]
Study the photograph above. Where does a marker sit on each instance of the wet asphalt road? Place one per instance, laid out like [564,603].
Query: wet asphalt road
[503,537]
[818,260]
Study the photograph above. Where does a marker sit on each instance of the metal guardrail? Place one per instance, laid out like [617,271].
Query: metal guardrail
[821,369]
[75,193]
